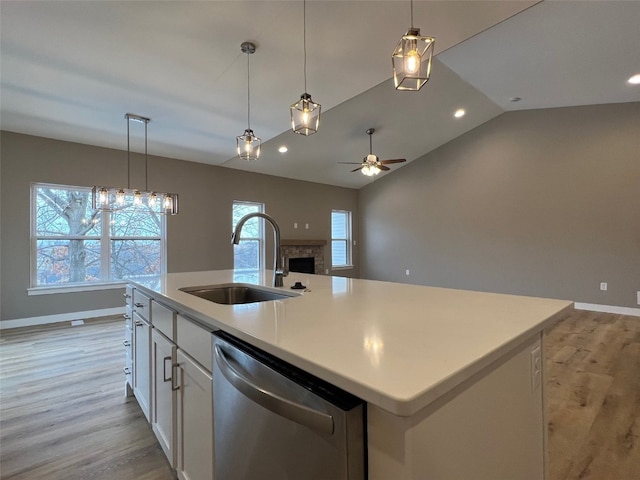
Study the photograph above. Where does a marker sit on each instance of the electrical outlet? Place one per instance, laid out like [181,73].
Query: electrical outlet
[407,272]
[295,224]
[638,297]
[536,368]
[306,225]
[603,286]
[326,271]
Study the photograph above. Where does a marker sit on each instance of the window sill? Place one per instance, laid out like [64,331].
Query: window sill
[51,290]
[342,267]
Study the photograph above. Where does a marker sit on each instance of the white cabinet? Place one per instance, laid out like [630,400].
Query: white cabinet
[171,358]
[163,417]
[128,341]
[142,362]
[195,421]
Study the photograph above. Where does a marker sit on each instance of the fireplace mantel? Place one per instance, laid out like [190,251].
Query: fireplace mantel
[299,242]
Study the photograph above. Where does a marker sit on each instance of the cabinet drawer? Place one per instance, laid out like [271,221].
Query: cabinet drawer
[128,341]
[164,320]
[195,341]
[128,296]
[142,305]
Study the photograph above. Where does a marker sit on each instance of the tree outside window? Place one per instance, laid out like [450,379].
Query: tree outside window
[75,244]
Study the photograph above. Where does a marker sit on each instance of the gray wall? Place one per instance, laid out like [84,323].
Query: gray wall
[198,238]
[540,202]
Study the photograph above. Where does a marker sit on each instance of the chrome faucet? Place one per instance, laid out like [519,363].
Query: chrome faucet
[278,269]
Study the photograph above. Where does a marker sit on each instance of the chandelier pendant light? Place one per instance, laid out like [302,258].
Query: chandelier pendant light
[248,145]
[305,113]
[411,59]
[114,198]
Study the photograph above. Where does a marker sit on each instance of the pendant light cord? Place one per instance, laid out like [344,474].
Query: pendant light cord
[128,156]
[411,14]
[304,40]
[146,162]
[248,95]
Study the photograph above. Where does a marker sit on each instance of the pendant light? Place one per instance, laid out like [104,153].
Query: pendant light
[248,144]
[411,59]
[110,198]
[305,113]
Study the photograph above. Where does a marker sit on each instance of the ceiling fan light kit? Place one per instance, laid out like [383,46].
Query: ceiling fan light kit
[114,198]
[305,113]
[247,144]
[411,59]
[371,165]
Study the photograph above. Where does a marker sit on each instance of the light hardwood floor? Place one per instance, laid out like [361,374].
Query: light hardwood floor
[63,414]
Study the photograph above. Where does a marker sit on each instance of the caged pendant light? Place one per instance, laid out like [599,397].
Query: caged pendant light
[111,198]
[248,145]
[411,59]
[305,113]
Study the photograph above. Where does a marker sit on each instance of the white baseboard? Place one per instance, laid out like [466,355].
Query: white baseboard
[608,309]
[61,317]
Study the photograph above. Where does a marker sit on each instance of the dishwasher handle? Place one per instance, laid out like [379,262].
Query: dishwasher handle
[314,419]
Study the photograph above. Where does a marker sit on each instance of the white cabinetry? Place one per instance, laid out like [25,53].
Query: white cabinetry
[172,383]
[195,402]
[163,417]
[195,421]
[142,351]
[128,341]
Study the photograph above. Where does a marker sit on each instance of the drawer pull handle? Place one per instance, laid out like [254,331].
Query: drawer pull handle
[139,305]
[126,343]
[126,371]
[126,317]
[126,295]
[139,324]
[164,368]
[174,376]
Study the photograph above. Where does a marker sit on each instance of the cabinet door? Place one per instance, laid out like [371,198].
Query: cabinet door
[142,363]
[163,417]
[195,421]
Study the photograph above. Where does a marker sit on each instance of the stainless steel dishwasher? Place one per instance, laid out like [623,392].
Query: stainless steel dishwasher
[272,421]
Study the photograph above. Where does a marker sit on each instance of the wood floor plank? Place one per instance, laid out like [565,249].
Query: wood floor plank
[63,412]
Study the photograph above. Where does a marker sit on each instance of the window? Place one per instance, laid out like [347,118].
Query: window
[340,238]
[248,255]
[72,244]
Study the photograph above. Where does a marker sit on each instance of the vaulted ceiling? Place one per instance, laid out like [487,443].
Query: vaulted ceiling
[71,70]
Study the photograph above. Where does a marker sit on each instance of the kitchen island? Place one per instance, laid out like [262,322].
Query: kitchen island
[452,379]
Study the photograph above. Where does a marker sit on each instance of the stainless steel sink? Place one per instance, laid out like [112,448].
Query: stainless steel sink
[237,293]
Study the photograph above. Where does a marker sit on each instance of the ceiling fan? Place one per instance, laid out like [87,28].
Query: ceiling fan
[371,165]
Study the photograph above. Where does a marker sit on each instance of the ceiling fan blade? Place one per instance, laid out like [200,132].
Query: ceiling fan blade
[393,160]
[351,163]
[382,167]
[360,168]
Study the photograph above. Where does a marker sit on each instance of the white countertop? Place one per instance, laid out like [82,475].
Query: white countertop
[395,345]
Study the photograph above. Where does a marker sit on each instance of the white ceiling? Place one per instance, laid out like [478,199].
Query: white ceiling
[71,70]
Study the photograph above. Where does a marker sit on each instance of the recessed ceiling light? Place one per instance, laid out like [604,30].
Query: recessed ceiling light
[459,113]
[283,149]
[635,80]
[515,99]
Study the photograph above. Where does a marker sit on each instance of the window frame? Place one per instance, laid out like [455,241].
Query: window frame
[348,240]
[105,238]
[260,239]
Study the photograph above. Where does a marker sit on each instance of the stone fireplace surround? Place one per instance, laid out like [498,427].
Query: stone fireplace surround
[294,248]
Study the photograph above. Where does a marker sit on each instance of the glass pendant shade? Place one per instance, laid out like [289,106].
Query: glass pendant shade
[305,115]
[248,145]
[370,170]
[412,60]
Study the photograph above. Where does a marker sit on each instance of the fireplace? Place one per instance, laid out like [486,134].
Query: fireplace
[308,251]
[302,265]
